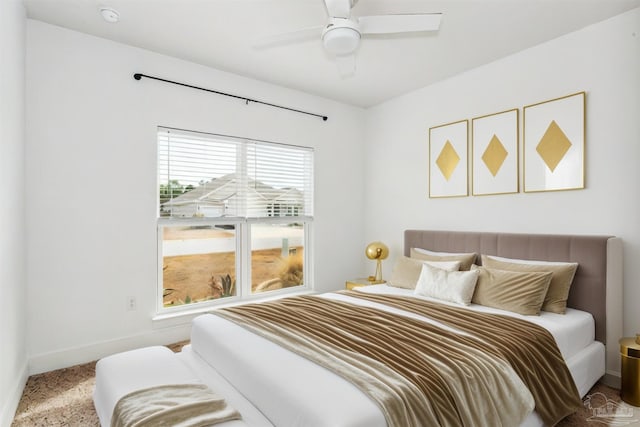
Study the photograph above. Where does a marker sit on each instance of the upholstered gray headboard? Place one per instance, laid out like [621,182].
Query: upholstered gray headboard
[596,288]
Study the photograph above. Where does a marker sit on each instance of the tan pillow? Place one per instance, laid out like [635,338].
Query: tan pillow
[406,271]
[515,291]
[562,276]
[466,260]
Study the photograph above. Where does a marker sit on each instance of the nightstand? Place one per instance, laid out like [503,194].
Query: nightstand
[630,372]
[356,283]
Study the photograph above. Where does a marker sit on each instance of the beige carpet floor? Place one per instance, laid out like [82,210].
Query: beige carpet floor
[63,398]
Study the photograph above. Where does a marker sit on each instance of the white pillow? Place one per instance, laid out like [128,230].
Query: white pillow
[406,271]
[454,286]
[428,252]
[529,261]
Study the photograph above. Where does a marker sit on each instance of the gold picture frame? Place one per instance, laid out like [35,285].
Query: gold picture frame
[495,153]
[448,160]
[554,144]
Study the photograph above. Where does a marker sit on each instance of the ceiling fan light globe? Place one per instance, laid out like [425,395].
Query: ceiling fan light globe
[341,40]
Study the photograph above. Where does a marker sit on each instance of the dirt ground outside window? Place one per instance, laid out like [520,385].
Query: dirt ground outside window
[198,277]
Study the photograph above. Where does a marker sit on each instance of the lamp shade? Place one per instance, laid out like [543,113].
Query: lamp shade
[377,250]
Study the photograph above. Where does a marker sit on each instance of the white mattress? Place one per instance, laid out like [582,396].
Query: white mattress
[251,416]
[292,391]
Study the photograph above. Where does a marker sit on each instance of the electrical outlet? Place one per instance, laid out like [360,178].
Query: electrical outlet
[131,303]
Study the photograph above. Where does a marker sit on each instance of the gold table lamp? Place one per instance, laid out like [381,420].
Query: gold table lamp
[377,251]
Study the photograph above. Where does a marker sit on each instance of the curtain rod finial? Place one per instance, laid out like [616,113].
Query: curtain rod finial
[324,118]
[137,76]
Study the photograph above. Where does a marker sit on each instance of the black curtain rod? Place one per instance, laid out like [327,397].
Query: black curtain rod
[138,76]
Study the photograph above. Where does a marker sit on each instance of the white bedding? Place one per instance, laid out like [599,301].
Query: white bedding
[292,391]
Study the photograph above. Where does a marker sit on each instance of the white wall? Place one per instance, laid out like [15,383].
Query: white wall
[91,183]
[604,61]
[13,320]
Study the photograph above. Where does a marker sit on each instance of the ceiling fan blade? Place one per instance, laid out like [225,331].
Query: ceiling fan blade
[303,34]
[346,65]
[338,8]
[388,24]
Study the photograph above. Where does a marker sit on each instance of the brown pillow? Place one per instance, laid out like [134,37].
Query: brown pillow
[406,271]
[466,260]
[562,276]
[515,291]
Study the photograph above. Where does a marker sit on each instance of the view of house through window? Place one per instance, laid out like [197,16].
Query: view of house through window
[232,218]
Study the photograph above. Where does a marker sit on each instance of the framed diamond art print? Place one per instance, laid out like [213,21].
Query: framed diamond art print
[494,142]
[448,160]
[554,144]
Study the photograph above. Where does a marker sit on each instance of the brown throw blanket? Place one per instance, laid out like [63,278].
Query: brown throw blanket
[530,349]
[418,373]
[175,405]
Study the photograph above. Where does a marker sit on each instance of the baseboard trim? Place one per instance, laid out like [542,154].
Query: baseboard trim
[612,380]
[88,353]
[13,399]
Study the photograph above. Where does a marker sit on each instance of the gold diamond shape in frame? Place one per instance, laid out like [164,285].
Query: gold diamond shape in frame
[494,155]
[553,146]
[447,160]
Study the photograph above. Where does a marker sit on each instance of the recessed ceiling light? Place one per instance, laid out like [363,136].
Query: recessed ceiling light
[109,14]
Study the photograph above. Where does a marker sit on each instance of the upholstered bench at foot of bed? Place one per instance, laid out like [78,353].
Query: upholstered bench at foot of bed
[123,373]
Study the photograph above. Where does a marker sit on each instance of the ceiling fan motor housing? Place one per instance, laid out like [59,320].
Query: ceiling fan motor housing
[341,37]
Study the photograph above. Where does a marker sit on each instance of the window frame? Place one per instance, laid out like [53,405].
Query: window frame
[243,250]
[307,266]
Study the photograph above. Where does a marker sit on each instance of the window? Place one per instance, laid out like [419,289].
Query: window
[234,218]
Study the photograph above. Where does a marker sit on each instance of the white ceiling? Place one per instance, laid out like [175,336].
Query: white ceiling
[222,34]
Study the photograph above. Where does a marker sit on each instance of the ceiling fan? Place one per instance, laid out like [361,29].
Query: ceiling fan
[342,34]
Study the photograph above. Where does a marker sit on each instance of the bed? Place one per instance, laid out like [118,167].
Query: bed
[276,384]
[596,288]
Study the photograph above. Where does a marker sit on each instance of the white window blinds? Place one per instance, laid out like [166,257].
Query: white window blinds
[207,175]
